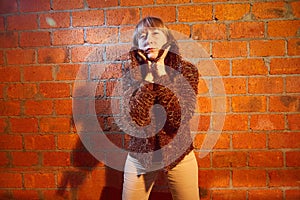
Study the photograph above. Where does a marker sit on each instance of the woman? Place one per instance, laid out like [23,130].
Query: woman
[155,70]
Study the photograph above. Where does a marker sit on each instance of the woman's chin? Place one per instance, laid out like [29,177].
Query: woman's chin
[151,56]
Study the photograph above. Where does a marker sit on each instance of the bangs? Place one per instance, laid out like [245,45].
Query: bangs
[150,22]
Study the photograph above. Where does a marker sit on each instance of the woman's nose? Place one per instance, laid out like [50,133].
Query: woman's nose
[149,39]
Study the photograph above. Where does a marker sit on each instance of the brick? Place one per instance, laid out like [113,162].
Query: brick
[284,103]
[26,158]
[20,56]
[22,91]
[88,18]
[8,39]
[231,86]
[180,30]
[249,141]
[291,66]
[24,125]
[265,194]
[54,90]
[292,158]
[8,6]
[87,54]
[25,194]
[269,10]
[284,140]
[248,67]
[38,107]
[2,58]
[10,108]
[53,55]
[203,162]
[3,125]
[124,16]
[296,8]
[209,32]
[223,67]
[4,160]
[229,159]
[72,72]
[90,186]
[217,178]
[293,47]
[267,122]
[265,159]
[231,11]
[58,159]
[105,106]
[126,33]
[10,74]
[160,12]
[135,3]
[228,194]
[63,107]
[283,28]
[249,178]
[113,89]
[68,37]
[291,194]
[55,125]
[267,48]
[265,85]
[22,22]
[84,159]
[102,3]
[2,24]
[117,52]
[2,90]
[55,20]
[249,104]
[69,142]
[102,35]
[229,49]
[284,177]
[235,122]
[10,180]
[203,105]
[293,122]
[34,5]
[57,195]
[194,13]
[67,4]
[172,1]
[201,123]
[202,86]
[241,30]
[10,142]
[39,142]
[291,81]
[39,180]
[37,73]
[222,141]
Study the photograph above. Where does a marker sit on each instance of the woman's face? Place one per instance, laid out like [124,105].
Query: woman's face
[151,41]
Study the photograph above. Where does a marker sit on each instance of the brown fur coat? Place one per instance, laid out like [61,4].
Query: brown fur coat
[162,91]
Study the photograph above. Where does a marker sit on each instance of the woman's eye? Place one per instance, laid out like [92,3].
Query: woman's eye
[143,35]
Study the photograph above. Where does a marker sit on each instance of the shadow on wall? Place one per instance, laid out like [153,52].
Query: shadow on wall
[89,178]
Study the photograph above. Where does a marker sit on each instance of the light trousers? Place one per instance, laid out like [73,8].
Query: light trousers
[182,180]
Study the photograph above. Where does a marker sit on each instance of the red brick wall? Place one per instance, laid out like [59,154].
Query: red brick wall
[255,45]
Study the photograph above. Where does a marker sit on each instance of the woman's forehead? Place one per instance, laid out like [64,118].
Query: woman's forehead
[146,29]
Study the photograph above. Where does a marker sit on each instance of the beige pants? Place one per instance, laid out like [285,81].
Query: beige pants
[182,179]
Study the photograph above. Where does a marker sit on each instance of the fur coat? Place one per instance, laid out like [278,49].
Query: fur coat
[176,93]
